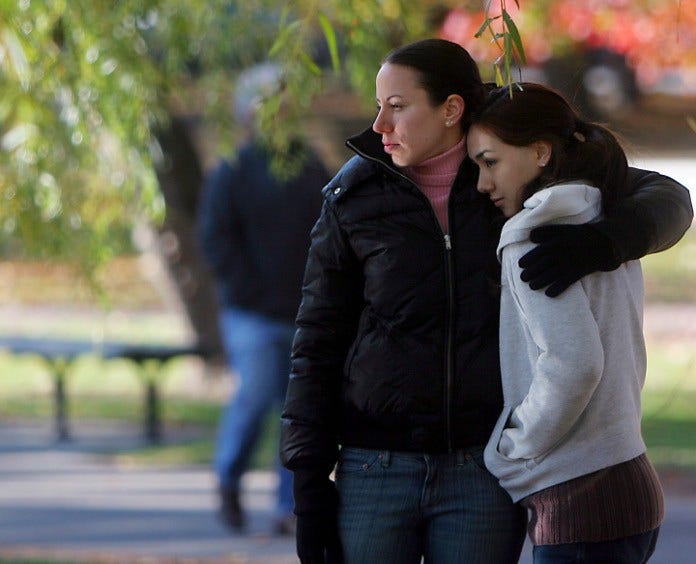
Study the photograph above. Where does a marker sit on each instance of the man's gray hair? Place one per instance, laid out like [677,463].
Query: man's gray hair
[253,85]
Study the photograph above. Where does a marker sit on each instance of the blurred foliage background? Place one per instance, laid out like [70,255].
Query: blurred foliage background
[89,86]
[112,111]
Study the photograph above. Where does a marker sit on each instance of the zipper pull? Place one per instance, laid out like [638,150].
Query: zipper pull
[448,243]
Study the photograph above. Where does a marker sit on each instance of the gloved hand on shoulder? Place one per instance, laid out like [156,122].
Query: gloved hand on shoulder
[564,254]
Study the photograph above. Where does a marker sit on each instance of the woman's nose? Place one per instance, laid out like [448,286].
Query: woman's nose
[381,124]
[483,185]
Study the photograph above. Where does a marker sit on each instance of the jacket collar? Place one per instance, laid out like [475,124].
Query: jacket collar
[368,145]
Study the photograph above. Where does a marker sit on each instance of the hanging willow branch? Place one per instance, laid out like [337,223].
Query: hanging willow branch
[508,40]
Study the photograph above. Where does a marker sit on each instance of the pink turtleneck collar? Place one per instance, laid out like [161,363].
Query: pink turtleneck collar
[435,177]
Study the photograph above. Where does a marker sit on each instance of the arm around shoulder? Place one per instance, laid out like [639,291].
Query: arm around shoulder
[653,217]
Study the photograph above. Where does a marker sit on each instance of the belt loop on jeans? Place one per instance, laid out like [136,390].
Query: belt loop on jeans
[385,458]
[461,455]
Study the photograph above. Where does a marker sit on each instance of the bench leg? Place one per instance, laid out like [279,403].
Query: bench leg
[60,402]
[153,429]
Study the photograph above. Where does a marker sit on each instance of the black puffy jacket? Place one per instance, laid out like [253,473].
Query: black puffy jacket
[397,341]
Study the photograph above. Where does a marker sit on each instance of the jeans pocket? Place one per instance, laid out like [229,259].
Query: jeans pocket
[352,460]
[475,456]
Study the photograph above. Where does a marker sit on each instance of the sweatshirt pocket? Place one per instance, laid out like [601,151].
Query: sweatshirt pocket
[500,465]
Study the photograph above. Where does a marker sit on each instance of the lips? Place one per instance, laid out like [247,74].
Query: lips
[497,201]
[389,147]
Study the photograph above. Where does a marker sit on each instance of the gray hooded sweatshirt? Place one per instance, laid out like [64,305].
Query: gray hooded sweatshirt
[572,366]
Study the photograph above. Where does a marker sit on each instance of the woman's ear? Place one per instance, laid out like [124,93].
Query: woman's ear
[454,109]
[543,152]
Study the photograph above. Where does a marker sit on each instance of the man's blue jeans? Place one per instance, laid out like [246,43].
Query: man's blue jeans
[636,549]
[398,507]
[259,350]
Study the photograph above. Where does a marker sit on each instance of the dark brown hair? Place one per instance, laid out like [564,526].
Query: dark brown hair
[444,68]
[581,150]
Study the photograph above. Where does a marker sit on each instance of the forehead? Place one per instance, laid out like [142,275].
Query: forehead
[478,139]
[397,80]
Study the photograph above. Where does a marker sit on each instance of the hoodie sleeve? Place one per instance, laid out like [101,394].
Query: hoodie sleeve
[568,366]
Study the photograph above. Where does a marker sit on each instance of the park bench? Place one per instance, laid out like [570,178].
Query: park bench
[59,355]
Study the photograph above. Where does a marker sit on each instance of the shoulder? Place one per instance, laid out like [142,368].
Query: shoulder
[567,202]
[220,174]
[356,172]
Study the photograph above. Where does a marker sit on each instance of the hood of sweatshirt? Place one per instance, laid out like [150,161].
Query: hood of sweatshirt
[569,203]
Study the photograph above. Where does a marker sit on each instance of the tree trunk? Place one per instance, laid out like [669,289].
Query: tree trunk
[180,177]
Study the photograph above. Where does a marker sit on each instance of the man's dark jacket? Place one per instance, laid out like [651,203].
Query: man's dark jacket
[254,230]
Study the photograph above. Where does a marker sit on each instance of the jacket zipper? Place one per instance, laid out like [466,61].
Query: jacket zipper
[449,353]
[450,341]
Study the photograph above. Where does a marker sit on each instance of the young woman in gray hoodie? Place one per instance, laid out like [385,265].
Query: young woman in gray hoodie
[568,444]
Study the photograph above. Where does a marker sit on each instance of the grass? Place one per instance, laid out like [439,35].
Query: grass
[669,420]
[670,276]
[112,391]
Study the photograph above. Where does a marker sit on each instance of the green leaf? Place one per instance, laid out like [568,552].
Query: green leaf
[309,63]
[330,36]
[692,122]
[484,26]
[17,57]
[515,36]
[283,38]
[508,59]
[499,76]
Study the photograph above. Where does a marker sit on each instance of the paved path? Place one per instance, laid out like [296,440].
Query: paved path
[70,503]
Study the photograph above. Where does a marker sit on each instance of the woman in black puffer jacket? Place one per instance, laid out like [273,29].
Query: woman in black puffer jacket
[395,362]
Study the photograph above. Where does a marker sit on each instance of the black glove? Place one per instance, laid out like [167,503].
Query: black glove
[564,254]
[316,503]
[317,539]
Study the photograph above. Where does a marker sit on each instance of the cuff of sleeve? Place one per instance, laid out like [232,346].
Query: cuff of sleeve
[314,493]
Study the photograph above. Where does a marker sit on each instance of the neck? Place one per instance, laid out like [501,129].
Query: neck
[435,177]
[444,163]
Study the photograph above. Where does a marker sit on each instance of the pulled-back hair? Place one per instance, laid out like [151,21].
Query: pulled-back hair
[581,150]
[444,68]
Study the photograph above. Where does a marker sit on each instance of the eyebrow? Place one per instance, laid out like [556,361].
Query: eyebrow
[390,97]
[479,155]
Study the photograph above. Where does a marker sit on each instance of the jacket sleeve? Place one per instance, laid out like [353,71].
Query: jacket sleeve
[567,370]
[327,325]
[652,218]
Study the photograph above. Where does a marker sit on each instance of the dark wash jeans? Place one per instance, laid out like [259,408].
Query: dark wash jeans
[636,549]
[396,508]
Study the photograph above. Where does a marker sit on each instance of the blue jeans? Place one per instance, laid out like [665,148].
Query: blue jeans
[259,349]
[636,549]
[398,507]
